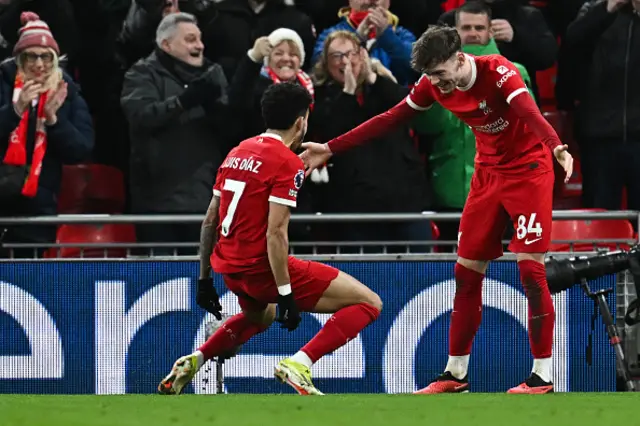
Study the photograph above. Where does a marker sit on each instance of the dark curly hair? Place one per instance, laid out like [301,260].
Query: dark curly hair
[435,46]
[283,103]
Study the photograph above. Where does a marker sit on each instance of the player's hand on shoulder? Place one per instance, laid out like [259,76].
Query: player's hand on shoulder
[288,313]
[561,152]
[207,297]
[314,155]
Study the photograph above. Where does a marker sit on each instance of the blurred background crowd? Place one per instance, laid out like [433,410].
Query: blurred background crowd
[130,106]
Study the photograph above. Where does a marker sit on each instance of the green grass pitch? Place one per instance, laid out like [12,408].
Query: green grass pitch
[471,409]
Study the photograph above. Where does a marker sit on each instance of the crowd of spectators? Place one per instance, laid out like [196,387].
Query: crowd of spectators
[162,89]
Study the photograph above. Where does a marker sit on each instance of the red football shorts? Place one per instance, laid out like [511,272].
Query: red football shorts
[495,199]
[255,291]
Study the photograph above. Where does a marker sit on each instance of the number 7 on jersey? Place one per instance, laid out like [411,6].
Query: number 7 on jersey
[237,187]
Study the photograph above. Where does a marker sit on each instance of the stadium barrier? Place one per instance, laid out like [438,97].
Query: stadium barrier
[114,326]
[302,249]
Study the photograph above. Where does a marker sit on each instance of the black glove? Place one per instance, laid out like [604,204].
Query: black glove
[207,297]
[288,313]
[206,87]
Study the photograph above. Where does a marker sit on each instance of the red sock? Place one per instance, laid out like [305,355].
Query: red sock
[343,326]
[234,332]
[467,310]
[542,315]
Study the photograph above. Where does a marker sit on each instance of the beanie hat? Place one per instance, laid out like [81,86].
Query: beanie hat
[34,33]
[282,34]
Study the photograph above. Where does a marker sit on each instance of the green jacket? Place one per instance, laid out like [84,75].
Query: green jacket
[454,145]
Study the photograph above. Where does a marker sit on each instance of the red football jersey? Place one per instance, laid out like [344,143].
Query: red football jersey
[503,141]
[259,171]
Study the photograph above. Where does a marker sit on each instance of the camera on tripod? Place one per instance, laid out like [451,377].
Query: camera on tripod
[563,274]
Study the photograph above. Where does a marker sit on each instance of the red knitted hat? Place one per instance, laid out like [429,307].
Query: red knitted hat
[34,33]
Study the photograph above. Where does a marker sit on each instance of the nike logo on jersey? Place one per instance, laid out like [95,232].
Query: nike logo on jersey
[527,241]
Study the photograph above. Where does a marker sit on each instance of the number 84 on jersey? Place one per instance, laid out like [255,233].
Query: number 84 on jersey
[528,228]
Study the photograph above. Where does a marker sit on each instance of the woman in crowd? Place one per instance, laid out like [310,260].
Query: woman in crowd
[44,123]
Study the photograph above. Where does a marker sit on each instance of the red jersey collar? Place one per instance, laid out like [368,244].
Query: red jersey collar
[272,136]
[474,74]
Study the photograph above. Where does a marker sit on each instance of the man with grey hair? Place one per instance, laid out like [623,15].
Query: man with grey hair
[174,101]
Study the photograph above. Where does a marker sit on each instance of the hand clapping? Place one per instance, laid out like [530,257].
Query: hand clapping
[30,92]
[379,19]
[54,101]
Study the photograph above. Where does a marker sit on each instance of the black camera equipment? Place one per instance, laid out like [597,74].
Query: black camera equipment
[564,273]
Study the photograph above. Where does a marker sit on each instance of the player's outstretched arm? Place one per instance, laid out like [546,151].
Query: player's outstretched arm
[375,127]
[316,154]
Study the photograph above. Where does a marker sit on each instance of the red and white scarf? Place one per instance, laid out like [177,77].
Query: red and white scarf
[17,151]
[302,77]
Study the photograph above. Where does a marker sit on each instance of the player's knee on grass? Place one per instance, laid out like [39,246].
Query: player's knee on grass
[263,318]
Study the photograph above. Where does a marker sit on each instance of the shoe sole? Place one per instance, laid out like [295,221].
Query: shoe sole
[439,393]
[283,375]
[538,392]
[166,385]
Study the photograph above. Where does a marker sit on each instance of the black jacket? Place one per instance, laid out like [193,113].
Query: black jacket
[609,45]
[384,175]
[174,153]
[136,38]
[231,31]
